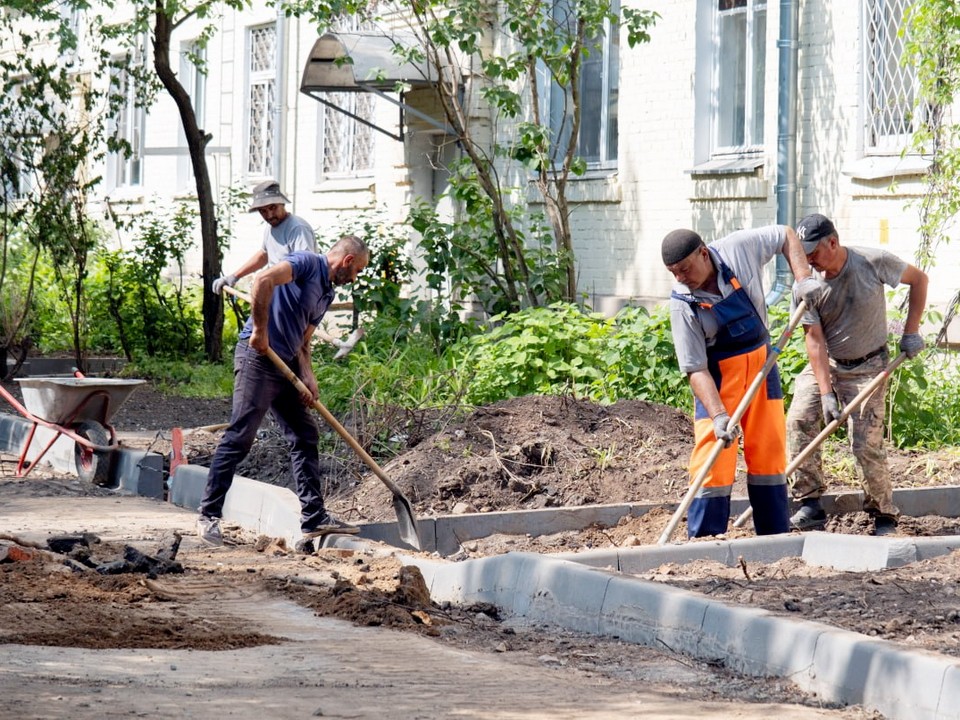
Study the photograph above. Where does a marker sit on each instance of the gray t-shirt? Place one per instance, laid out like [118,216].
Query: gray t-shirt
[293,234]
[853,309]
[745,252]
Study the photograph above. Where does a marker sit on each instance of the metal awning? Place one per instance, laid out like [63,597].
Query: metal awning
[362,62]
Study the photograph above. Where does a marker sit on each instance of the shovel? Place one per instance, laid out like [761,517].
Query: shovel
[406,522]
[734,419]
[860,398]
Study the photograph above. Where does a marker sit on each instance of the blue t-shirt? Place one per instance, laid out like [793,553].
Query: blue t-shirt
[298,304]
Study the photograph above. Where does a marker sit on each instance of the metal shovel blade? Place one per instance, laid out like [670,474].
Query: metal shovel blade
[406,522]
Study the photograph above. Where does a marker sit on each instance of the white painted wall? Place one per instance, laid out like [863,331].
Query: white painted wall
[621,216]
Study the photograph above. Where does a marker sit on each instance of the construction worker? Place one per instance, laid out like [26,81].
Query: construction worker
[288,301]
[285,233]
[845,332]
[719,324]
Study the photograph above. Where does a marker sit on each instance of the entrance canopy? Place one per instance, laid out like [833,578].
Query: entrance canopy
[362,62]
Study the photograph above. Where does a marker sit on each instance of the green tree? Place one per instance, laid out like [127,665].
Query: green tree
[159,19]
[931,32]
[53,116]
[509,54]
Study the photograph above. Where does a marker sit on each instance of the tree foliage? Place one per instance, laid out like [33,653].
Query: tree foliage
[54,117]
[508,55]
[932,45]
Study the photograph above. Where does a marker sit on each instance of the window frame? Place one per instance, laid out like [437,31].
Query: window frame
[609,150]
[269,78]
[129,126]
[750,145]
[873,141]
[194,81]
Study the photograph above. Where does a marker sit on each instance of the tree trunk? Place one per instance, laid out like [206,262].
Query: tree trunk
[196,142]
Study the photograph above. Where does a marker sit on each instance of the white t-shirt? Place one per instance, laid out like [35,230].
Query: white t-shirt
[293,234]
[745,252]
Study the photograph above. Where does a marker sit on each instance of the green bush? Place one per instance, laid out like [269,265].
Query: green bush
[560,349]
[923,403]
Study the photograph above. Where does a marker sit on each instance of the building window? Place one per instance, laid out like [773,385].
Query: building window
[739,66]
[599,88]
[888,86]
[346,145]
[261,99]
[125,165]
[193,79]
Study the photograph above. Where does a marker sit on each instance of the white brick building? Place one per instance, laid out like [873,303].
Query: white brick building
[698,139]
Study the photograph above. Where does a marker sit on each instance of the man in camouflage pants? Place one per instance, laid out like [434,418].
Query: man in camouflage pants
[845,331]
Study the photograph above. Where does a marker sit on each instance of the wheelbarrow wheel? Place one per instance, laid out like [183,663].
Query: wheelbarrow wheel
[92,465]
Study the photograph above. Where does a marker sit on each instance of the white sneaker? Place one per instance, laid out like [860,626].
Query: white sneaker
[208,530]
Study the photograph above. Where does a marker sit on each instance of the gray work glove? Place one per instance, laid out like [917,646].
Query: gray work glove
[218,284]
[830,406]
[911,344]
[723,430]
[809,289]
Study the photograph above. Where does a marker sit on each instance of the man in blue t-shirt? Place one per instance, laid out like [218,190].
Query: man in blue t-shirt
[288,302]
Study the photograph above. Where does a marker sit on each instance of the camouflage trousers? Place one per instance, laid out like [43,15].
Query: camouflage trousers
[864,427]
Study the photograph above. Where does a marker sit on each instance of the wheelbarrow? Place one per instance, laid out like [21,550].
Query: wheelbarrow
[78,407]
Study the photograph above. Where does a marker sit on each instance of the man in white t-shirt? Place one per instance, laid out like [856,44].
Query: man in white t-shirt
[845,331]
[285,233]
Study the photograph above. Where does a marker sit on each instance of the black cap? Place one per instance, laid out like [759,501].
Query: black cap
[678,244]
[812,229]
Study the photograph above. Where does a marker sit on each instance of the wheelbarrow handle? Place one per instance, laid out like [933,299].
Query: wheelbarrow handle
[701,477]
[832,426]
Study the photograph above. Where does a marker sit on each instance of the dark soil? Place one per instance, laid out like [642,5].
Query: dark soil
[530,452]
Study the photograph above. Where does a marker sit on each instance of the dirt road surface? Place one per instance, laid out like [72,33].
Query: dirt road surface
[240,634]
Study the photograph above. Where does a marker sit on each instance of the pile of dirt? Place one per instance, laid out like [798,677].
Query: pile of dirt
[538,451]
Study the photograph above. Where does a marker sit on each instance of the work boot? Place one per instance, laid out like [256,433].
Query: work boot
[884,524]
[208,529]
[810,516]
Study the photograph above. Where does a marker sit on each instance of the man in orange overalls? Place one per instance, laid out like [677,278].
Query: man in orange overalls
[719,323]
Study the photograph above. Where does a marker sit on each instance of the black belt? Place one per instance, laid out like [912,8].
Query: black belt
[857,361]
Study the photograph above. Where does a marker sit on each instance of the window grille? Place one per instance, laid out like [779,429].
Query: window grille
[889,87]
[347,144]
[262,48]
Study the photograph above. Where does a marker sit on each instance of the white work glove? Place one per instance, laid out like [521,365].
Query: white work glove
[830,406]
[809,290]
[911,344]
[723,431]
[347,345]
[218,284]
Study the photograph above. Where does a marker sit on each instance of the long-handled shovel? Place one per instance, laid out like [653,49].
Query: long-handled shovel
[406,522]
[734,419]
[831,428]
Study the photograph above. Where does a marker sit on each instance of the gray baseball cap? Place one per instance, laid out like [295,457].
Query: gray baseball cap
[267,193]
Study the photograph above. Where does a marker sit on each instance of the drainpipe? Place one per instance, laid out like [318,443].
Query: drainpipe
[788,45]
[279,115]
